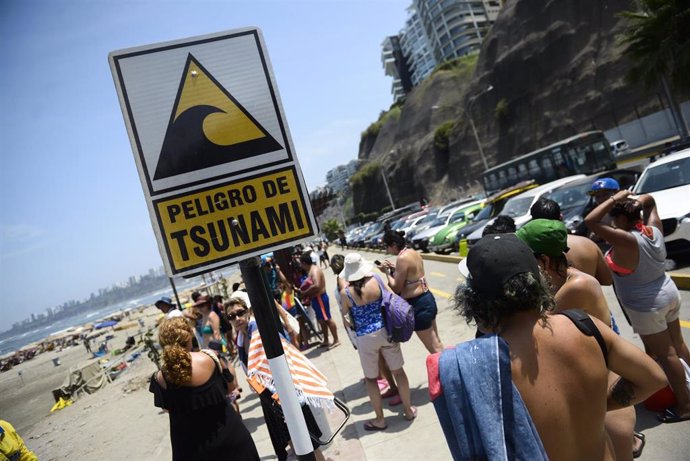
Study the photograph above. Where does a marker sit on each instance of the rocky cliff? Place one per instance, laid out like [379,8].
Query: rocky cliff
[555,69]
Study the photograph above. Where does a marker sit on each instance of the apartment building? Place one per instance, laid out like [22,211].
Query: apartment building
[338,178]
[437,31]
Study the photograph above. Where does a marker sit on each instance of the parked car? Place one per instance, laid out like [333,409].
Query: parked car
[668,181]
[493,207]
[414,219]
[443,241]
[620,147]
[359,233]
[575,202]
[518,206]
[421,240]
[422,225]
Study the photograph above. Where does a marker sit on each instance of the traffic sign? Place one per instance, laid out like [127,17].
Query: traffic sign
[213,149]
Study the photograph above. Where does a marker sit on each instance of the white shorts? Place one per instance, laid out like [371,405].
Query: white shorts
[368,347]
[653,322]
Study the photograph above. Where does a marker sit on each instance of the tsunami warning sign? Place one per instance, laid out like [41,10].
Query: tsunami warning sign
[212,148]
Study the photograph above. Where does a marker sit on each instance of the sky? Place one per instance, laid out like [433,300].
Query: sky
[73,217]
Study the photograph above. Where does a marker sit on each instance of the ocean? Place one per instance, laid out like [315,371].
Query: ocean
[14,343]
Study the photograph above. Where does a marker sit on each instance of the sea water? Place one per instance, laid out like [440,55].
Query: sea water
[14,343]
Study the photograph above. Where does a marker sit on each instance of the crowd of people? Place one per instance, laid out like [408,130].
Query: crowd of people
[547,373]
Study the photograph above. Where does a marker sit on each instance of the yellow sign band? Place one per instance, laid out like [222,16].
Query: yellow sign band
[219,223]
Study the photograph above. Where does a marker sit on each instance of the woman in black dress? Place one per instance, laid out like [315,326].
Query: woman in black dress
[192,387]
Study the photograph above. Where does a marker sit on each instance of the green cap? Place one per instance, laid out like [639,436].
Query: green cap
[545,236]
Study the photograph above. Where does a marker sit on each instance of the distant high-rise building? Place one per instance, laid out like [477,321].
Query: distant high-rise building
[395,65]
[339,177]
[416,47]
[437,31]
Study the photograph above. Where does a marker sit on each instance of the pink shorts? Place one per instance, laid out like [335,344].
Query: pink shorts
[368,347]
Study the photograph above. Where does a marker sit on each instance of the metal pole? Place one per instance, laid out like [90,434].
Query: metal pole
[263,309]
[468,112]
[388,191]
[177,298]
[479,144]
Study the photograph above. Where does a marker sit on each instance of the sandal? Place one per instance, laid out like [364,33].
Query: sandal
[414,414]
[670,416]
[640,436]
[389,393]
[370,426]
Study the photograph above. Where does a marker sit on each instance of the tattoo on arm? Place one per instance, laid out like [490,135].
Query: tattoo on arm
[622,392]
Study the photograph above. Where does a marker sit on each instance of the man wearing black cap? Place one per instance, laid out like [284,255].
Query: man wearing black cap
[166,306]
[559,371]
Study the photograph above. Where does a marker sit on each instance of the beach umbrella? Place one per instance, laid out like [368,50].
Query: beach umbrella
[309,382]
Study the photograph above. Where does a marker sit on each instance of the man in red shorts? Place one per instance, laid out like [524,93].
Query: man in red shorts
[319,299]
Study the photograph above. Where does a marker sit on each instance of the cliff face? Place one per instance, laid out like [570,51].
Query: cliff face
[556,70]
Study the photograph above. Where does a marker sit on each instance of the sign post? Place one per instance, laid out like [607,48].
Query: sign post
[218,169]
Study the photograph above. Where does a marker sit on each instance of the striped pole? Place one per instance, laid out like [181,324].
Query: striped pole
[264,313]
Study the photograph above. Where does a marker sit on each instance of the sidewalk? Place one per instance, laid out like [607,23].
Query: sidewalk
[403,440]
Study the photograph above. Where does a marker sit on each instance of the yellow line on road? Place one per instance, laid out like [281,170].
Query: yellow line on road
[685,324]
[438,274]
[441,294]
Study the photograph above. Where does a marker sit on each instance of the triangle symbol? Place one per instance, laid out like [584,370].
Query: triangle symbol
[208,127]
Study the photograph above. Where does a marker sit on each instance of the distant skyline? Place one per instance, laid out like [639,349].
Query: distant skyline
[72,213]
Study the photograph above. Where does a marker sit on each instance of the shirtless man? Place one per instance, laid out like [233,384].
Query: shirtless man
[573,289]
[584,254]
[561,373]
[406,278]
[319,299]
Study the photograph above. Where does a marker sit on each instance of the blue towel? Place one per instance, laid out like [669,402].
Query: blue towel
[480,410]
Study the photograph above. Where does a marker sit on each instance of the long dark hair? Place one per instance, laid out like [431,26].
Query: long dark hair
[359,284]
[396,238]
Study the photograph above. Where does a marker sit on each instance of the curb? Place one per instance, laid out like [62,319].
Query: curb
[682,281]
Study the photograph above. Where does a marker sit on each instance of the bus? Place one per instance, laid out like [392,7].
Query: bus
[585,153]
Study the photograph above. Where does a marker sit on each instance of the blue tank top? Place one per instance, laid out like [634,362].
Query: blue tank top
[367,318]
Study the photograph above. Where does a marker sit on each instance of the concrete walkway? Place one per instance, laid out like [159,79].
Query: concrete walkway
[423,437]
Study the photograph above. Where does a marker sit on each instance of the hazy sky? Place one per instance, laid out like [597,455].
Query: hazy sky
[72,212]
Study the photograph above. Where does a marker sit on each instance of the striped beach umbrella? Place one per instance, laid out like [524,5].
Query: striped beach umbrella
[309,382]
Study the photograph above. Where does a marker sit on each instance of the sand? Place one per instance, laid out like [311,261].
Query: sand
[27,398]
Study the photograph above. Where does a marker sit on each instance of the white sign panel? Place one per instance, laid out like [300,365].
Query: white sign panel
[213,149]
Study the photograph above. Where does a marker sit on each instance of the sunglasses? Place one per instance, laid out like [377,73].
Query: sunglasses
[234,315]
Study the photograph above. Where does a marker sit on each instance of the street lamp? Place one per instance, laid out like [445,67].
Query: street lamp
[468,112]
[385,181]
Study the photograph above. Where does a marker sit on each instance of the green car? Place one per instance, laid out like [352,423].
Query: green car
[444,240]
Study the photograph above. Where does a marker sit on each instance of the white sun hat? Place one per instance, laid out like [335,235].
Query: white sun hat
[356,267]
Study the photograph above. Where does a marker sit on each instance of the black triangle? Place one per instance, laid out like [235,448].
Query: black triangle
[186,148]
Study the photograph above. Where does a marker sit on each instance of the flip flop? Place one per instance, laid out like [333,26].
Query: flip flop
[369,426]
[323,345]
[382,383]
[670,416]
[389,393]
[334,345]
[638,435]
[414,414]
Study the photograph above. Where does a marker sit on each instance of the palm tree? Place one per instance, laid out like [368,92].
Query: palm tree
[657,42]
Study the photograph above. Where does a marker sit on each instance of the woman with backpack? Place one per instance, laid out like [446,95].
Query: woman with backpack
[406,277]
[362,311]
